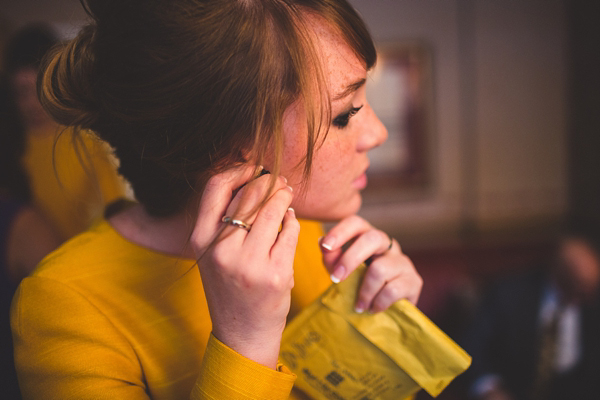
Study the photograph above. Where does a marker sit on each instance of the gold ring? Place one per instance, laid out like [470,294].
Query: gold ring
[236,222]
[369,260]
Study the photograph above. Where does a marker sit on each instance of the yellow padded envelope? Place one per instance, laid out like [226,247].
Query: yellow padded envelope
[339,354]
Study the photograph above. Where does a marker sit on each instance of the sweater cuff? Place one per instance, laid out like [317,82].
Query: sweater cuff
[226,374]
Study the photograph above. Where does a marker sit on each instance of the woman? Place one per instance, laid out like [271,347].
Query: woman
[195,96]
[25,234]
[70,193]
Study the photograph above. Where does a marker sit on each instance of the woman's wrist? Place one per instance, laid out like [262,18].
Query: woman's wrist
[262,348]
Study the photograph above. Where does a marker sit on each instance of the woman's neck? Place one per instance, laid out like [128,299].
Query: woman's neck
[163,234]
[46,127]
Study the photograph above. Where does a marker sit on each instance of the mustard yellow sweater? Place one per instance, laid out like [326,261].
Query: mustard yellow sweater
[71,188]
[103,318]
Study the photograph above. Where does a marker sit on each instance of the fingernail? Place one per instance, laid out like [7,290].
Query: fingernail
[328,243]
[291,210]
[290,189]
[359,307]
[338,274]
[284,179]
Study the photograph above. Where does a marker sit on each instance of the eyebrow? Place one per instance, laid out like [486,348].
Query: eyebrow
[353,87]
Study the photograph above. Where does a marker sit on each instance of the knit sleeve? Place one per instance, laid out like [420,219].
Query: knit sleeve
[226,374]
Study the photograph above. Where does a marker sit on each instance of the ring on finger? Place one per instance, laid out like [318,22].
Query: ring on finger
[236,222]
[369,260]
[390,245]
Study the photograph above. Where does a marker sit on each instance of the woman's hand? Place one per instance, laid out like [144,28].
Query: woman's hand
[391,275]
[247,275]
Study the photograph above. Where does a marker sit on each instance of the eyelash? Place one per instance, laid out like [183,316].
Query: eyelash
[341,121]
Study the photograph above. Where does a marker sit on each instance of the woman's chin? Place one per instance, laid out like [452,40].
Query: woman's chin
[331,213]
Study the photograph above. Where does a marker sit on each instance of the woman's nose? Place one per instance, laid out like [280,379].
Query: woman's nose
[373,133]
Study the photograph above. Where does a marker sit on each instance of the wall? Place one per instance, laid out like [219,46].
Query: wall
[584,140]
[65,15]
[499,151]
[521,113]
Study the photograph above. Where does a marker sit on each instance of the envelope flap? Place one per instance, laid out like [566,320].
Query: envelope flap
[404,334]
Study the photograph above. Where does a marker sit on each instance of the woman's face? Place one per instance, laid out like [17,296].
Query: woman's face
[339,164]
[30,108]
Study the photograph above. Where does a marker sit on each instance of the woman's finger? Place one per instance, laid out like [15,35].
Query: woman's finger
[367,245]
[332,243]
[266,224]
[244,204]
[287,240]
[405,286]
[387,280]
[215,200]
[330,257]
[345,230]
[393,291]
[373,281]
[242,211]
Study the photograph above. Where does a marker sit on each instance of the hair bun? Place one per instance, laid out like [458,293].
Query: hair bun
[66,82]
[98,8]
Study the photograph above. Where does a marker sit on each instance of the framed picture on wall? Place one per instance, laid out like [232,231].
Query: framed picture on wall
[399,90]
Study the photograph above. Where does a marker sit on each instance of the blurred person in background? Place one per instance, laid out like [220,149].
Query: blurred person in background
[72,177]
[536,335]
[26,236]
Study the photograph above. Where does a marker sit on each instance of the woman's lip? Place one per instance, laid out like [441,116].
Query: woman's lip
[360,182]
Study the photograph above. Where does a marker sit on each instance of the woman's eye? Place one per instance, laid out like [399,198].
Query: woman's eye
[341,121]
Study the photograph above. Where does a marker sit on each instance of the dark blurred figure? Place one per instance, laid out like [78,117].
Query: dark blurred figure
[71,180]
[537,334]
[25,235]
[23,55]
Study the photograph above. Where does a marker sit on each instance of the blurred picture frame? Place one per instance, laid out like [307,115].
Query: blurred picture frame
[400,91]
